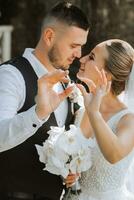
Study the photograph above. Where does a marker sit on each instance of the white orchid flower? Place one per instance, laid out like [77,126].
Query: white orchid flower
[76,95]
[65,151]
[41,153]
[57,167]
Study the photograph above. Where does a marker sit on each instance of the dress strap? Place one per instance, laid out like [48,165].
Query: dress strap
[113,121]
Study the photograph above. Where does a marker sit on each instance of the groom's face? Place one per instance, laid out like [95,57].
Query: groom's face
[67,46]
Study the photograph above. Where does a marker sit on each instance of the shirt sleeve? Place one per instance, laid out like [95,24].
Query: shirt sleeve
[15,128]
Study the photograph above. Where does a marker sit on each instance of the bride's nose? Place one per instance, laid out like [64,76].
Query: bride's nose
[83,59]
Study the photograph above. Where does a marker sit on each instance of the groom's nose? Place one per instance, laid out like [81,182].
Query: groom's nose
[77,52]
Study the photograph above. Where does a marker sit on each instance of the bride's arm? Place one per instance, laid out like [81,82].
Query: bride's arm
[86,126]
[114,146]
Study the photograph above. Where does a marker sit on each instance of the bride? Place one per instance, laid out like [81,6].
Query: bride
[108,70]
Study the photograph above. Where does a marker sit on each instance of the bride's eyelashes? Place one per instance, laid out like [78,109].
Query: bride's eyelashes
[91,57]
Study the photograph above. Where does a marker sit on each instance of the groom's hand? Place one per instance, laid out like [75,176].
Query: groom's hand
[47,100]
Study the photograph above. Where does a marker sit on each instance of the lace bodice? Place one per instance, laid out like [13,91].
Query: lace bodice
[104,180]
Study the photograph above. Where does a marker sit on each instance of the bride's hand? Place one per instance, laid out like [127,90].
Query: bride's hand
[71,179]
[93,99]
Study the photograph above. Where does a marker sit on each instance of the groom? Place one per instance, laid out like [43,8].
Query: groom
[64,32]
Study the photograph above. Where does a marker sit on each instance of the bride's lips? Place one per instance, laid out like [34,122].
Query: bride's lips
[81,69]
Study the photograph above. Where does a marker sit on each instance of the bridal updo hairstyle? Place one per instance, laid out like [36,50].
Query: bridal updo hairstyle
[119,63]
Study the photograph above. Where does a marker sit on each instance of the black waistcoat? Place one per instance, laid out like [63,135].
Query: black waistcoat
[20,169]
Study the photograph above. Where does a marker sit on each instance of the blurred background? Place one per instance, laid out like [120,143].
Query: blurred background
[22,20]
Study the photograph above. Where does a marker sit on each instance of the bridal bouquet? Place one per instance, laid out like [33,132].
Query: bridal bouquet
[65,151]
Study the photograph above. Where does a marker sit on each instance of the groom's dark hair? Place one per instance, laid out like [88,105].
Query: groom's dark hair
[67,14]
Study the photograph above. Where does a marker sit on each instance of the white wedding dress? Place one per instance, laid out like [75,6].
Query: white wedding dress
[105,181]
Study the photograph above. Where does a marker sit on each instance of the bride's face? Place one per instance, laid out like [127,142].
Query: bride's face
[91,62]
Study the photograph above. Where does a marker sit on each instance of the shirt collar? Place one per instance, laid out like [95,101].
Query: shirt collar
[38,67]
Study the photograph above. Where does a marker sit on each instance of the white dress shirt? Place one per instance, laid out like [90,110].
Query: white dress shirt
[16,128]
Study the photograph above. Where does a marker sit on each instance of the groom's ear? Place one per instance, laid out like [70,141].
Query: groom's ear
[48,36]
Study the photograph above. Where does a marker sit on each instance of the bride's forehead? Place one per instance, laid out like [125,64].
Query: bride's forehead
[100,50]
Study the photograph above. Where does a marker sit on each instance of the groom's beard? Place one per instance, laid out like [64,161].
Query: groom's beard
[55,58]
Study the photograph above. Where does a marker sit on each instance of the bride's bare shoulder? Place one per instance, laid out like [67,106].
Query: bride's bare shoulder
[126,123]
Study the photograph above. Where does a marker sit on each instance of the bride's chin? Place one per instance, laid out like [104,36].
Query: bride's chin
[80,73]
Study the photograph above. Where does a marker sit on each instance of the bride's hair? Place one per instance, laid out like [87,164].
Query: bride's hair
[119,63]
